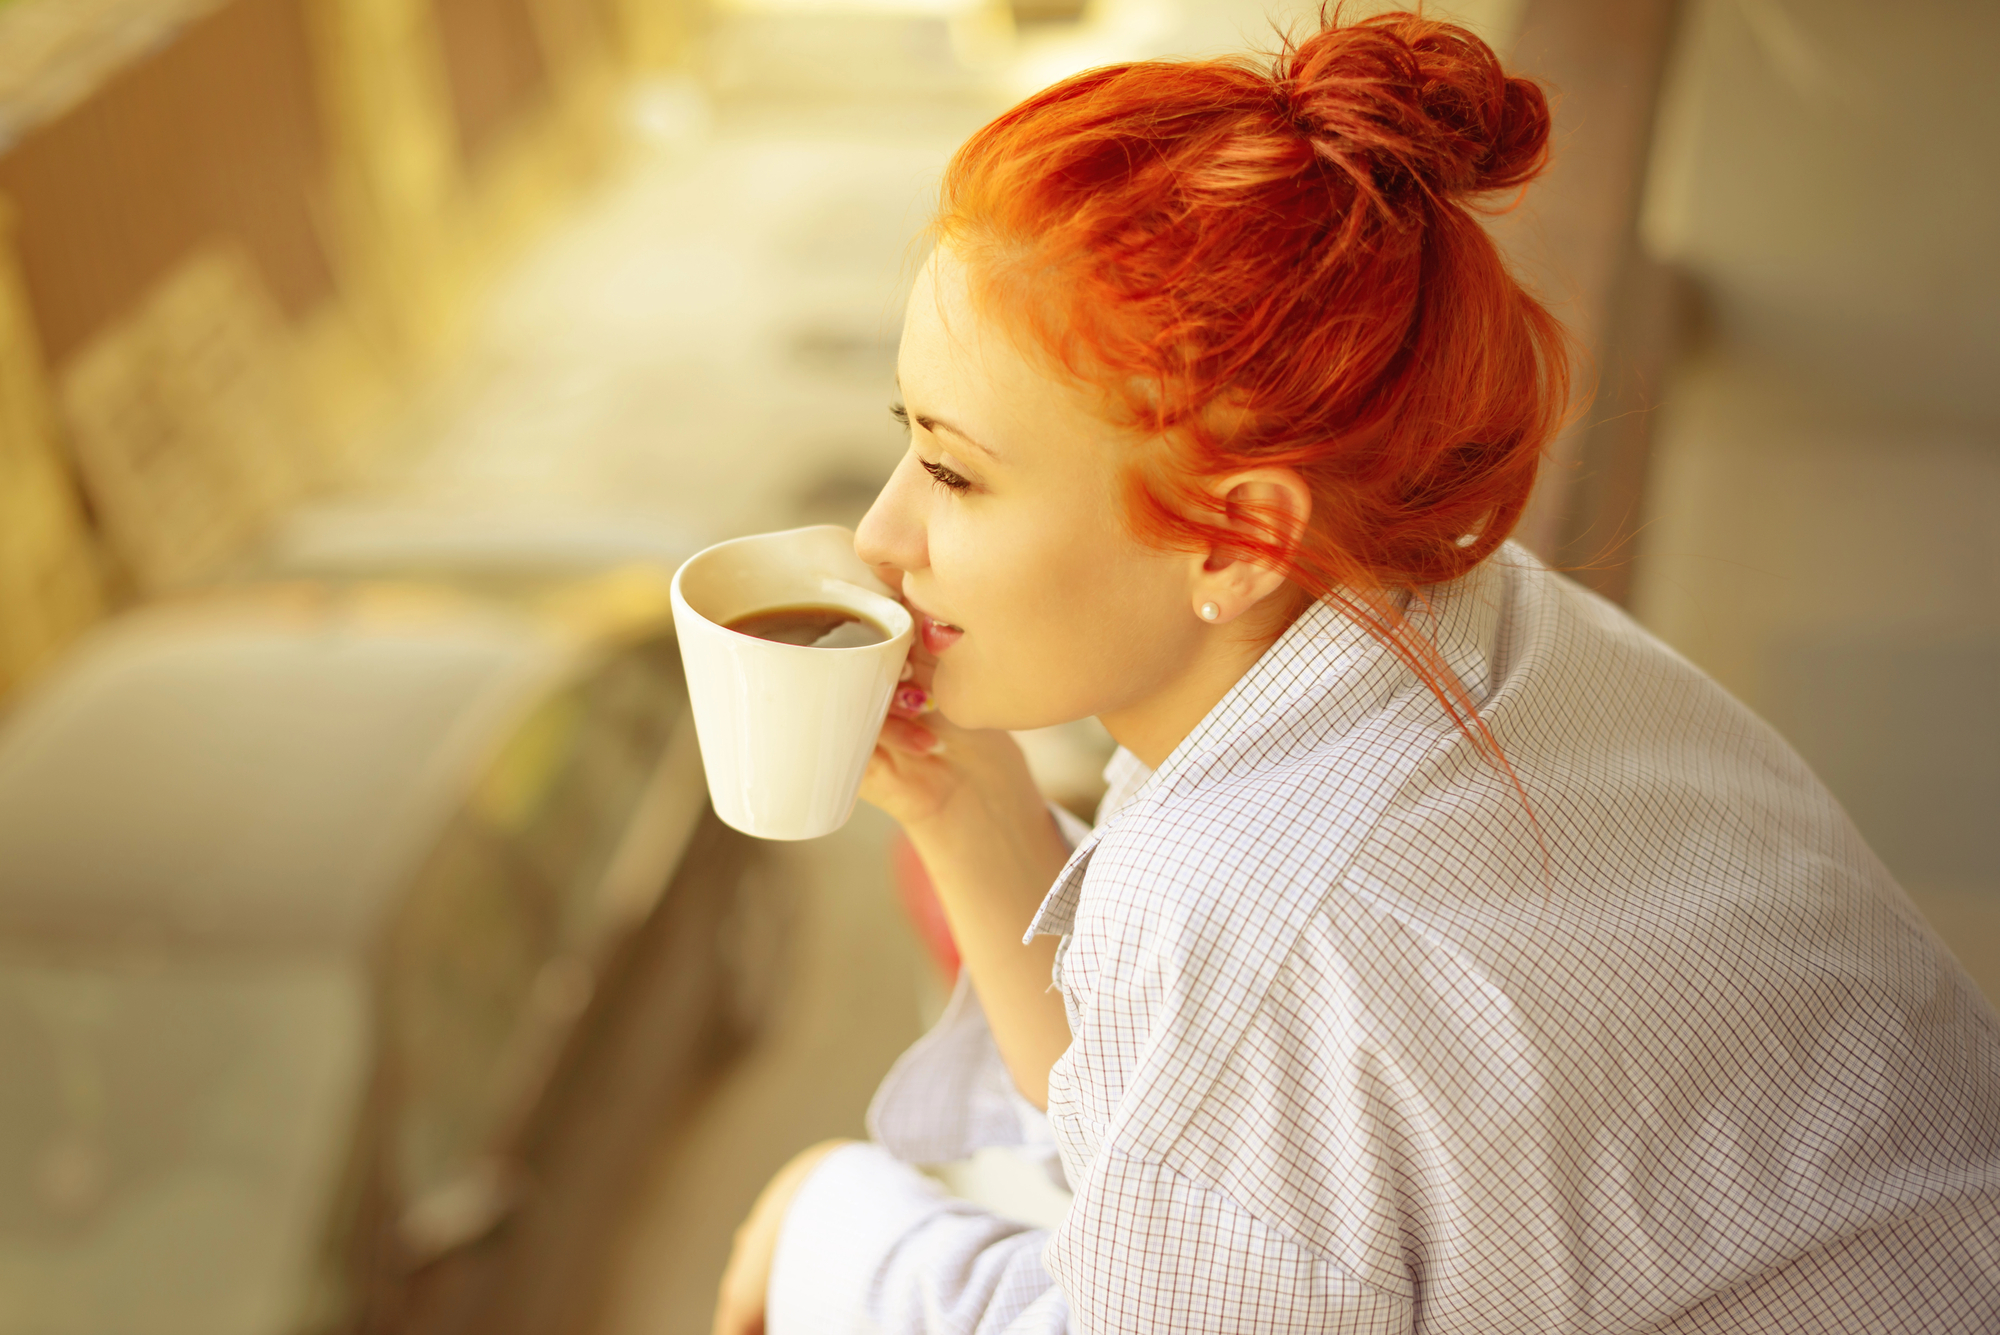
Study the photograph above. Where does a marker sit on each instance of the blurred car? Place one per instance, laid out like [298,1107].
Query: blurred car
[355,941]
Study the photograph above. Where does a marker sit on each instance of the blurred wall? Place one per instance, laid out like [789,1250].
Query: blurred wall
[1824,530]
[219,135]
[238,229]
[51,584]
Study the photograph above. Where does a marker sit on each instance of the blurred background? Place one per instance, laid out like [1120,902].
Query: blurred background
[369,959]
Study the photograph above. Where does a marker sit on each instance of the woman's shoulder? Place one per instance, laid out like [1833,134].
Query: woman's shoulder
[1611,773]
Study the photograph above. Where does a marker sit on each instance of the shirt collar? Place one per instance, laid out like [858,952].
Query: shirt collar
[1318,680]
[1124,776]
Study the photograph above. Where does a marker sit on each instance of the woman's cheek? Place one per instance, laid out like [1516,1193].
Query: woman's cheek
[1024,592]
[986,679]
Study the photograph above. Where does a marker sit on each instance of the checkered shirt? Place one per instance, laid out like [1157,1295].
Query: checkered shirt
[1363,1042]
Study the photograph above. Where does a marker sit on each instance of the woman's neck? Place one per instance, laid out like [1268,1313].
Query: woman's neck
[1151,728]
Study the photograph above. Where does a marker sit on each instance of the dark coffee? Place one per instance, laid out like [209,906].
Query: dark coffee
[815,625]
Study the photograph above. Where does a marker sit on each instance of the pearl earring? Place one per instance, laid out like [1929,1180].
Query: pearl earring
[1209,611]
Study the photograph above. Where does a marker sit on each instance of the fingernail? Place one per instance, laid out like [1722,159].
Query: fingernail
[909,671]
[936,748]
[912,699]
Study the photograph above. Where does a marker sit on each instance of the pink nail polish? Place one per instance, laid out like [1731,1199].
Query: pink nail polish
[912,699]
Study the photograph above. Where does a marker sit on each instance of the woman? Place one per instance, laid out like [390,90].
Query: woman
[1449,955]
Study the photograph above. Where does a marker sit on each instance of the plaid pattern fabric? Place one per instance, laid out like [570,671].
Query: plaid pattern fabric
[1363,1041]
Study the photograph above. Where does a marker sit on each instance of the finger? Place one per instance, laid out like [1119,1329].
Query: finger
[921,663]
[911,700]
[739,1307]
[919,667]
[732,1318]
[904,737]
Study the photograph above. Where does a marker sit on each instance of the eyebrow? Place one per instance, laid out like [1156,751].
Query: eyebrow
[930,423]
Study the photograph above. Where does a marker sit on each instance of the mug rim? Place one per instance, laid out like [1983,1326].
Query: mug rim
[891,608]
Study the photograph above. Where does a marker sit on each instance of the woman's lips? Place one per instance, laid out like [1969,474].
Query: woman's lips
[938,635]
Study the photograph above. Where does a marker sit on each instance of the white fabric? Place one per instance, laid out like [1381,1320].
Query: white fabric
[1361,1045]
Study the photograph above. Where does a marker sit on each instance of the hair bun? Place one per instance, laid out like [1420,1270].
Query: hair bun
[1397,97]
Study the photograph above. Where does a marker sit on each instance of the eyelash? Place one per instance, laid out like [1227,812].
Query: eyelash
[943,476]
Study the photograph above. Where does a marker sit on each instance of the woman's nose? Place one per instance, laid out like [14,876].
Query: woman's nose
[892,532]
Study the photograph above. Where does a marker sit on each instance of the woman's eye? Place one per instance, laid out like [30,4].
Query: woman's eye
[944,475]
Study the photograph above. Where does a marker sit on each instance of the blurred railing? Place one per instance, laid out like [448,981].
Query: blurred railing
[237,229]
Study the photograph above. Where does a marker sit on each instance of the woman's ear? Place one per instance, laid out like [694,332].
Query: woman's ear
[1269,509]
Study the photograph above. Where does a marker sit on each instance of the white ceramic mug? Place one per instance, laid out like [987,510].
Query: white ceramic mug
[785,729]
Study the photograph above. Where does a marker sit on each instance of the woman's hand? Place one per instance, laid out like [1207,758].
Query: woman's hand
[908,776]
[739,1304]
[929,774]
[924,768]
[970,807]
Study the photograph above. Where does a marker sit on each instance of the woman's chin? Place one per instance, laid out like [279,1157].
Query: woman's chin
[975,710]
[966,706]
[960,712]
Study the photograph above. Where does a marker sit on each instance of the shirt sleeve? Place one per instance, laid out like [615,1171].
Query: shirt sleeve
[872,1245]
[1148,1249]
[950,1095]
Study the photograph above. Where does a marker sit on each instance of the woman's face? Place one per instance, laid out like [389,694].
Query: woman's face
[1003,526]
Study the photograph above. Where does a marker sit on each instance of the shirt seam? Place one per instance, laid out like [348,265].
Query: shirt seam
[1207,1100]
[1284,1234]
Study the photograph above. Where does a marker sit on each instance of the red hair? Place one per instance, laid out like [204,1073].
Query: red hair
[1279,267]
